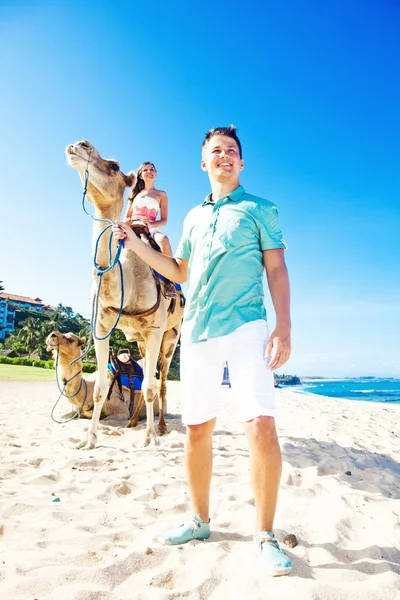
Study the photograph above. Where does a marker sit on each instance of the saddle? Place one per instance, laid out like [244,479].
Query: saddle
[127,374]
[140,229]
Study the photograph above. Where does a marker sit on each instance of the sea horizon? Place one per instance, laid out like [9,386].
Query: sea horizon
[365,389]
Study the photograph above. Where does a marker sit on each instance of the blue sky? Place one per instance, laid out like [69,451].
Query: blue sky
[314,91]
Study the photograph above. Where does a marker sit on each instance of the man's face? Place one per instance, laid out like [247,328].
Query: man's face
[221,159]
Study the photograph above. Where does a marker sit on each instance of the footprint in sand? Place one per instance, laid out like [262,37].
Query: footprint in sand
[164,580]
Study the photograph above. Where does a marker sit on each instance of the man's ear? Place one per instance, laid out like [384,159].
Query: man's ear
[203,165]
[241,164]
[130,179]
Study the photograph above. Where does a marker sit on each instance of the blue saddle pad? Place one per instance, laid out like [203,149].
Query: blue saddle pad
[137,381]
[177,285]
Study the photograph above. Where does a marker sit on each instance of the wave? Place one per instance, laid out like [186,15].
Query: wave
[369,395]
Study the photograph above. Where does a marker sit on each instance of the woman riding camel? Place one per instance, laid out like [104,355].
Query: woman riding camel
[149,205]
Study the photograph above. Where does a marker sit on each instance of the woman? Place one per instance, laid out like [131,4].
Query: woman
[146,204]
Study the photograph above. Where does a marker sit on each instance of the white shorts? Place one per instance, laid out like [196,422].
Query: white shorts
[202,366]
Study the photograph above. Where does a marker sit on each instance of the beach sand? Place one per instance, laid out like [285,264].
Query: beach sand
[80,525]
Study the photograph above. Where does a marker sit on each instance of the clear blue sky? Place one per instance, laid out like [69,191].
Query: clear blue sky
[313,88]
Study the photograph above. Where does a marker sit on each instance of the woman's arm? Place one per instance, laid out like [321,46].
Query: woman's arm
[128,213]
[163,211]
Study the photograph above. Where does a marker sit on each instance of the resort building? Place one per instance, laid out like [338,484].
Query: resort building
[10,303]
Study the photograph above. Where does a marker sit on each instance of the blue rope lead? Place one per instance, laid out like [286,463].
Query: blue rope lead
[75,415]
[100,271]
[66,382]
[95,309]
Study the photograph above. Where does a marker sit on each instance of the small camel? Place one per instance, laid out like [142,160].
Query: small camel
[65,349]
[146,313]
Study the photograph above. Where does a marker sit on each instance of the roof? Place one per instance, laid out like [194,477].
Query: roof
[15,298]
[48,307]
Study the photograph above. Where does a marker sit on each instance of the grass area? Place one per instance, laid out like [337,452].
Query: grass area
[21,373]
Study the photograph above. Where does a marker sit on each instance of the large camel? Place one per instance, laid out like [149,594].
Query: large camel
[145,317]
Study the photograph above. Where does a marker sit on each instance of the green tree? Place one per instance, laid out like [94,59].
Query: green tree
[29,334]
[118,342]
[13,342]
[41,345]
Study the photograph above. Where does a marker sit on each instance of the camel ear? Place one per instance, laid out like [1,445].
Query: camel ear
[82,341]
[130,179]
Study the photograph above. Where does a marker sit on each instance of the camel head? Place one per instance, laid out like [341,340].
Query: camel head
[107,183]
[68,345]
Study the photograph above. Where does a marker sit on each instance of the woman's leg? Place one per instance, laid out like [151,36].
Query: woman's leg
[163,242]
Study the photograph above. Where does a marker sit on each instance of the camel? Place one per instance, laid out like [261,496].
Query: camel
[145,317]
[67,348]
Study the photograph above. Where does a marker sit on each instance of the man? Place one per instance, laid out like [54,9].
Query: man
[227,241]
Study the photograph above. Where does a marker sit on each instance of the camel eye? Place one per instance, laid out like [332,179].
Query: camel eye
[84,145]
[113,166]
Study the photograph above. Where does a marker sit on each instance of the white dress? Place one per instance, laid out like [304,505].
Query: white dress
[146,206]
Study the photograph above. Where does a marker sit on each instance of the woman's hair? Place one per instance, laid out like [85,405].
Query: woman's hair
[140,181]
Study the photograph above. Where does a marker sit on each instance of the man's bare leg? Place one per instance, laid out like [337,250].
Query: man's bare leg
[198,461]
[265,469]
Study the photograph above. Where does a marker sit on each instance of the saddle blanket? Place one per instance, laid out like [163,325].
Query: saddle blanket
[177,285]
[137,381]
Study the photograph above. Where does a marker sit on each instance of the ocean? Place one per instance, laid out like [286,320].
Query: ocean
[371,389]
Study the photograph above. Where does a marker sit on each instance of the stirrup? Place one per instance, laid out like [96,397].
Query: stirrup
[170,290]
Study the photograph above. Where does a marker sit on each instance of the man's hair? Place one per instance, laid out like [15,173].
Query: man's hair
[228,131]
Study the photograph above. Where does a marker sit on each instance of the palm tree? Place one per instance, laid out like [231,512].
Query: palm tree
[1,286]
[55,320]
[29,334]
[44,330]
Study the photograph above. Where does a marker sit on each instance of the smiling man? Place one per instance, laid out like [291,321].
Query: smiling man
[227,242]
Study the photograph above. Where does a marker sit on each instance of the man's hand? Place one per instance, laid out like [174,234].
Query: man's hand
[279,347]
[123,231]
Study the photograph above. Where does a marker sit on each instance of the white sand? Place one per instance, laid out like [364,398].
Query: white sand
[96,543]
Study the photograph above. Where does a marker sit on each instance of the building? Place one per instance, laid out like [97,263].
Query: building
[10,303]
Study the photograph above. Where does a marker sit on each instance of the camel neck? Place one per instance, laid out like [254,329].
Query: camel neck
[72,375]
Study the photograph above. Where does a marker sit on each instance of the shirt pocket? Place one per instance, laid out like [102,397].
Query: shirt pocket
[234,232]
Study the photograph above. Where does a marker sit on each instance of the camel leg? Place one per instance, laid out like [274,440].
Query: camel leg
[133,421]
[168,345]
[149,386]
[99,393]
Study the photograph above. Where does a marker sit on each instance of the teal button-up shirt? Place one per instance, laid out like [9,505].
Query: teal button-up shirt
[223,242]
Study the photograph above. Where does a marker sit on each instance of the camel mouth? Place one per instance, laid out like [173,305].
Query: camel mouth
[52,342]
[76,153]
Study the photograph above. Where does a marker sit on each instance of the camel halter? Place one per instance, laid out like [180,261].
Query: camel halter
[77,414]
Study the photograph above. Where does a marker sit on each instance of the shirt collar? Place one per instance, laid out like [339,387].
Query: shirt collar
[235,196]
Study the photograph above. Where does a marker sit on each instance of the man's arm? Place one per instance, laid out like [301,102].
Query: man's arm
[279,345]
[174,269]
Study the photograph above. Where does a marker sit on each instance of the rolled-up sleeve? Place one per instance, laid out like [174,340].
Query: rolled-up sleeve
[184,249]
[270,231]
